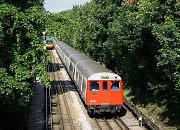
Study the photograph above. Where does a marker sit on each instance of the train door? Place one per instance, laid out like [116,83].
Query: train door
[104,94]
[116,96]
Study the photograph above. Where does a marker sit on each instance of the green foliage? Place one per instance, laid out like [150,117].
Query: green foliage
[13,91]
[21,26]
[139,41]
[168,35]
[168,64]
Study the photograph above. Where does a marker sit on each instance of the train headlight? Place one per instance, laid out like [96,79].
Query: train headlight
[92,101]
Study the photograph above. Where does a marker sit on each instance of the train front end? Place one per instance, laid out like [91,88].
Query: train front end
[104,93]
[49,44]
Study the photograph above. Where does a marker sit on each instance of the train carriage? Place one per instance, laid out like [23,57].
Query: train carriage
[49,43]
[100,88]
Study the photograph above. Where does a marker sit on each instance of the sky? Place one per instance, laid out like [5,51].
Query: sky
[56,6]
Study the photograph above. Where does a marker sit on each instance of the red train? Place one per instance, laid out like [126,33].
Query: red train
[100,88]
[49,43]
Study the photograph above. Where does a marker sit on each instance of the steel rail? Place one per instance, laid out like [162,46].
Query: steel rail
[56,93]
[107,123]
[118,124]
[100,128]
[124,125]
[145,121]
[46,111]
[65,101]
[48,95]
[46,127]
[50,110]
[67,108]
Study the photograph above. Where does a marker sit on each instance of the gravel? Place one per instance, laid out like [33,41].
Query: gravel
[82,117]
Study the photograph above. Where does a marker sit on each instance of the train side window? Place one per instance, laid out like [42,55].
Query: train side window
[71,67]
[79,82]
[115,85]
[84,84]
[73,72]
[77,76]
[94,86]
[104,86]
[84,88]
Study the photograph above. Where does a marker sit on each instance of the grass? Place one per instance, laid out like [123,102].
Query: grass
[152,110]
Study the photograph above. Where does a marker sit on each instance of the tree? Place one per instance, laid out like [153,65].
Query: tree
[21,24]
[138,39]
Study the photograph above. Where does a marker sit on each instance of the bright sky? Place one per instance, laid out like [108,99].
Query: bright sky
[55,6]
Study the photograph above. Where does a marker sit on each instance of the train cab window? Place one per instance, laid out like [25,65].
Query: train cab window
[49,41]
[115,85]
[104,86]
[94,86]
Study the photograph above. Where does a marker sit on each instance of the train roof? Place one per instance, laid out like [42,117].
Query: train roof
[48,38]
[86,65]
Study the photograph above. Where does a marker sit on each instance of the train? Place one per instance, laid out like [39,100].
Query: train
[49,43]
[100,89]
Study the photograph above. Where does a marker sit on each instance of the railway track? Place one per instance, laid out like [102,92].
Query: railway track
[48,101]
[109,124]
[122,124]
[138,114]
[60,117]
